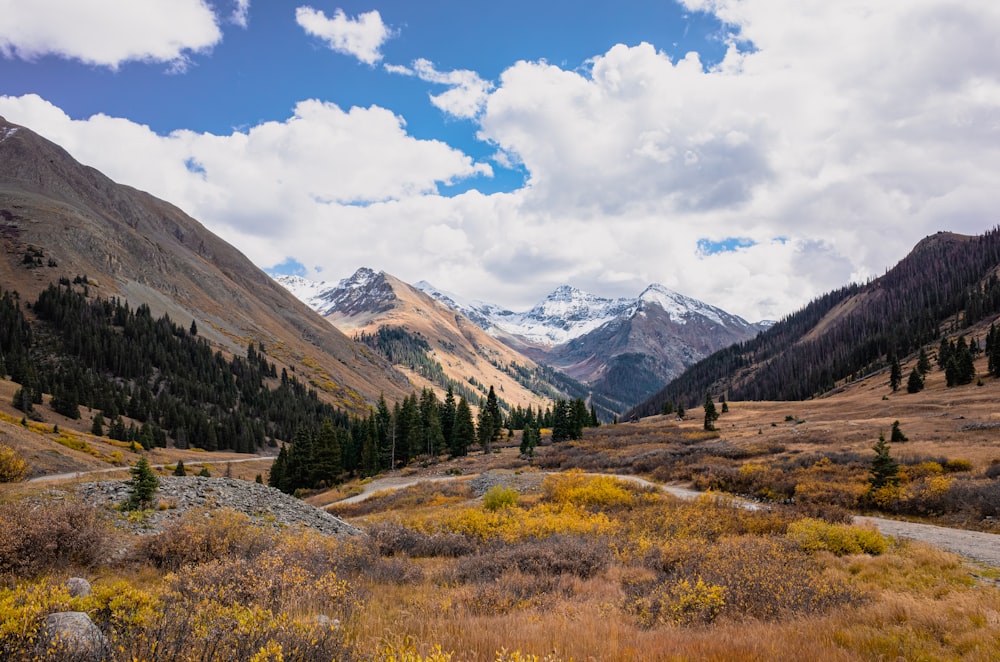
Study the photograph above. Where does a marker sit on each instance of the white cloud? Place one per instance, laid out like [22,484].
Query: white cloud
[852,147]
[115,32]
[849,149]
[361,37]
[241,13]
[466,96]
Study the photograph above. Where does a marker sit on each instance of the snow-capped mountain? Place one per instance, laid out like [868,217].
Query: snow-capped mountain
[565,314]
[569,313]
[624,349]
[451,346]
[363,290]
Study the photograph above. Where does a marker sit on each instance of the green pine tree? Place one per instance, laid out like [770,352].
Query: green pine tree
[97,426]
[884,470]
[895,373]
[464,431]
[896,434]
[711,415]
[915,383]
[142,486]
[923,363]
[179,470]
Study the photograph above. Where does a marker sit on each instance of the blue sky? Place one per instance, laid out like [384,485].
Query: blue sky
[749,153]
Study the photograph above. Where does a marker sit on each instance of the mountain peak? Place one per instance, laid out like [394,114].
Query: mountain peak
[366,290]
[363,277]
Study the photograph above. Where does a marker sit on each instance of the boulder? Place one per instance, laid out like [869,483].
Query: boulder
[71,634]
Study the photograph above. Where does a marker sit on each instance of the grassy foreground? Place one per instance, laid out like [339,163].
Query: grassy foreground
[587,568]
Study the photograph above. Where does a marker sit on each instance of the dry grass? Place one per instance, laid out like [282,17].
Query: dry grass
[664,579]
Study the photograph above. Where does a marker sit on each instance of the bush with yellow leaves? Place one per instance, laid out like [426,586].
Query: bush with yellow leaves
[13,468]
[813,535]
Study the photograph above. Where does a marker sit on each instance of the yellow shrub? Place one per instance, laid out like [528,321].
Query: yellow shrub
[922,470]
[123,606]
[573,487]
[407,652]
[13,468]
[514,524]
[679,603]
[498,497]
[22,612]
[884,496]
[813,535]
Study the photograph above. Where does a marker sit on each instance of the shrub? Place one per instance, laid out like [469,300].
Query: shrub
[813,535]
[391,538]
[572,487]
[680,602]
[957,465]
[556,555]
[499,497]
[993,471]
[40,538]
[197,538]
[13,468]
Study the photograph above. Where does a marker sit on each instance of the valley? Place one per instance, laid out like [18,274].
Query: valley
[413,524]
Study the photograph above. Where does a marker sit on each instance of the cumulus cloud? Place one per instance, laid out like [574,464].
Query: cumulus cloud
[467,92]
[117,31]
[852,149]
[324,185]
[827,158]
[360,37]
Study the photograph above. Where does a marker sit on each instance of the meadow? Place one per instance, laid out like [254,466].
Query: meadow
[581,568]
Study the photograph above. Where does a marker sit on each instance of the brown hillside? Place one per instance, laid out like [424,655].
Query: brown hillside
[462,348]
[136,247]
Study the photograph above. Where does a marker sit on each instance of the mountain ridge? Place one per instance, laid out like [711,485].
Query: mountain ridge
[622,349]
[945,285]
[132,245]
[442,346]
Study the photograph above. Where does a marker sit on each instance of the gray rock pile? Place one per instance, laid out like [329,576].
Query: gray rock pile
[177,495]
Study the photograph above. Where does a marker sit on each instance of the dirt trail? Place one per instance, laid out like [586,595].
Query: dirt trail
[93,472]
[975,545]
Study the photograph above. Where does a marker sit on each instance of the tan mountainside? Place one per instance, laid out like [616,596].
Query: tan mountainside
[144,250]
[462,348]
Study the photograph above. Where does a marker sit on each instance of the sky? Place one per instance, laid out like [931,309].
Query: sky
[752,154]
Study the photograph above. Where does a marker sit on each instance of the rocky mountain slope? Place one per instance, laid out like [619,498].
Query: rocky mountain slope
[429,341]
[622,349]
[59,218]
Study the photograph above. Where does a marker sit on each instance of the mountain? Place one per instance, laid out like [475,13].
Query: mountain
[622,349]
[565,314]
[432,343]
[61,219]
[945,286]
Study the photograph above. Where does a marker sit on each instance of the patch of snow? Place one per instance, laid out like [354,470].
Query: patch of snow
[7,133]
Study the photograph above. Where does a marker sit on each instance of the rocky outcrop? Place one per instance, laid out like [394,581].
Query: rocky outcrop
[177,495]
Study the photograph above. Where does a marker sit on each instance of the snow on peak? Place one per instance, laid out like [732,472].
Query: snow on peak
[325,297]
[682,308]
[361,278]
